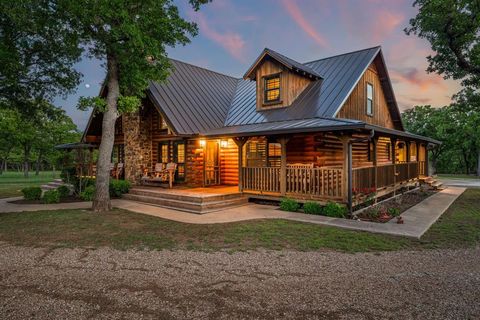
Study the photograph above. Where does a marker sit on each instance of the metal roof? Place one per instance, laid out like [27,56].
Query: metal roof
[322,98]
[193,99]
[286,126]
[286,61]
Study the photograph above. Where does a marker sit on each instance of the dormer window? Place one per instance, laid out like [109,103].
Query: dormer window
[271,89]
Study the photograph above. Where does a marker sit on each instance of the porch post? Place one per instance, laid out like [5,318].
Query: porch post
[427,165]
[394,160]
[283,165]
[240,142]
[375,163]
[345,167]
[417,157]
[407,145]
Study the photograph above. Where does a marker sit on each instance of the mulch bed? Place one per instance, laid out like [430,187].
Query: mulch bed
[379,212]
[68,199]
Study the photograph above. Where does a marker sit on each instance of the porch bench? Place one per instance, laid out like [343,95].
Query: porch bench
[161,174]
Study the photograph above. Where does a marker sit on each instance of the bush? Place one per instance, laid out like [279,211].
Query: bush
[51,196]
[63,191]
[312,208]
[394,212]
[288,204]
[333,209]
[119,187]
[32,193]
[88,193]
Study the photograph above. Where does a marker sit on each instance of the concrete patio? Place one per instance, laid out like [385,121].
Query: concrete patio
[418,219]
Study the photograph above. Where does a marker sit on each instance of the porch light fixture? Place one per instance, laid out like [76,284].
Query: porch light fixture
[224,143]
[203,143]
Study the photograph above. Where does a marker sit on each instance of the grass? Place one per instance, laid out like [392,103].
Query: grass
[457,176]
[12,182]
[459,227]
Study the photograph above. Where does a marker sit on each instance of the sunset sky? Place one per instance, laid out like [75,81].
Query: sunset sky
[233,33]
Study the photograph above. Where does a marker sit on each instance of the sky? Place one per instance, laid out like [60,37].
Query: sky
[232,33]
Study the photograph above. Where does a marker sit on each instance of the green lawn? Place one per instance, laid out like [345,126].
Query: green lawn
[456,176]
[459,227]
[12,182]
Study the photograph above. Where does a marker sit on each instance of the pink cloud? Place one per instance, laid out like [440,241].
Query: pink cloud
[232,42]
[293,10]
[385,23]
[420,79]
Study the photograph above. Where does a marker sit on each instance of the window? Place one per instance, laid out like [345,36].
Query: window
[255,153]
[118,153]
[272,89]
[274,154]
[389,151]
[163,152]
[369,99]
[162,124]
[371,153]
[413,152]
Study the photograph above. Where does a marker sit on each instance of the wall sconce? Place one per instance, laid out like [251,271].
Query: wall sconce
[224,143]
[203,143]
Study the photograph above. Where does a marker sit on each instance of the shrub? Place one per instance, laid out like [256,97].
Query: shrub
[312,208]
[32,193]
[288,204]
[51,196]
[372,213]
[333,209]
[88,193]
[394,212]
[119,187]
[63,191]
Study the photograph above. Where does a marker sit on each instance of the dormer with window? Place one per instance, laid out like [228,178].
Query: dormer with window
[279,80]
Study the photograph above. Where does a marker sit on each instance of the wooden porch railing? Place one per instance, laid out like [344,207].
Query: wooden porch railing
[364,178]
[265,179]
[422,168]
[304,182]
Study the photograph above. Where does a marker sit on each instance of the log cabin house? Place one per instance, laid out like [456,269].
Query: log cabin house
[327,130]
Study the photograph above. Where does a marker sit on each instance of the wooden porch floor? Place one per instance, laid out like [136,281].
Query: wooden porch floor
[206,192]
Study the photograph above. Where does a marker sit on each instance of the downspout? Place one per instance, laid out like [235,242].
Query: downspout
[350,169]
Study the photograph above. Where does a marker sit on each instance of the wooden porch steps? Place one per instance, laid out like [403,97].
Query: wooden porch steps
[432,182]
[55,184]
[186,202]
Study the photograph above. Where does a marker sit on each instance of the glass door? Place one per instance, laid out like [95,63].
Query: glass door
[179,159]
[212,163]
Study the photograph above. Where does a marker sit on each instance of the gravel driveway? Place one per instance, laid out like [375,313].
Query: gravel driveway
[107,284]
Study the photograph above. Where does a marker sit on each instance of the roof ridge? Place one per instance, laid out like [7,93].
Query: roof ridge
[343,54]
[206,69]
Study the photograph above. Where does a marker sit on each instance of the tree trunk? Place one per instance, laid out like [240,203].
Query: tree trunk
[37,165]
[101,201]
[478,162]
[1,165]
[26,164]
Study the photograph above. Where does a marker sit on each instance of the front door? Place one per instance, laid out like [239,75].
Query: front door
[212,164]
[179,159]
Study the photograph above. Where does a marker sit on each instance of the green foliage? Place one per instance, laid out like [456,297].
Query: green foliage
[333,209]
[97,103]
[63,191]
[88,193]
[119,187]
[312,208]
[394,212]
[51,196]
[453,29]
[32,193]
[288,204]
[128,104]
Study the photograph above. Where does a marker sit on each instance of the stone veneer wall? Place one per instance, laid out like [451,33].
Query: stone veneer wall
[138,145]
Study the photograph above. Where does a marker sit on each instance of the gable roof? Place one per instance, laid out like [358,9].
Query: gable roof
[285,61]
[195,100]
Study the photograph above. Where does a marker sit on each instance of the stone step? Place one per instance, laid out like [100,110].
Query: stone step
[188,206]
[436,185]
[47,187]
[183,197]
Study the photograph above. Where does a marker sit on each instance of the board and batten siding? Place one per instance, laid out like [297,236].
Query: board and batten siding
[356,105]
[291,84]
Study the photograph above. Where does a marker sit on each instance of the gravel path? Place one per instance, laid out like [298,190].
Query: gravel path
[108,284]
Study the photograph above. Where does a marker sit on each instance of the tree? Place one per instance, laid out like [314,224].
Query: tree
[131,37]
[9,138]
[453,29]
[37,54]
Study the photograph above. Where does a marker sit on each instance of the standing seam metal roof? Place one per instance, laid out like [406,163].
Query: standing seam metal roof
[196,100]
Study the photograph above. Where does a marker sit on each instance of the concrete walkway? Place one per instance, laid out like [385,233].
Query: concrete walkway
[418,219]
[454,182]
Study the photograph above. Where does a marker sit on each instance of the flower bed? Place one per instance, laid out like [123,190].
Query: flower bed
[393,207]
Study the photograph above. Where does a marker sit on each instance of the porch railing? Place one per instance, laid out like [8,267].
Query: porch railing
[265,179]
[304,182]
[364,178]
